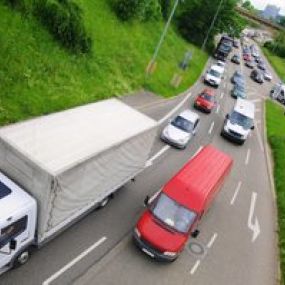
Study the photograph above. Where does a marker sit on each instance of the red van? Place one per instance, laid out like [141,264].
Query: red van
[173,215]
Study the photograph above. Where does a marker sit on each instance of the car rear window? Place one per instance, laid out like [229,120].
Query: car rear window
[4,190]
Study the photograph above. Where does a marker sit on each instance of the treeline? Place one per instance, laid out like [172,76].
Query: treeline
[278,45]
[192,18]
[63,19]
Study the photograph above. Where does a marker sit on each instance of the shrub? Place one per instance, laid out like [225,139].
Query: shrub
[142,10]
[63,19]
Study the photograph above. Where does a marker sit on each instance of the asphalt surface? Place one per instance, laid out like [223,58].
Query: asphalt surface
[226,251]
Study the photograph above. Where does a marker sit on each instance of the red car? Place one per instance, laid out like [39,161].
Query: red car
[247,57]
[206,100]
[173,214]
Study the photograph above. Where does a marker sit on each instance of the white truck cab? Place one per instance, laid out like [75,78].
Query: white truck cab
[239,122]
[17,224]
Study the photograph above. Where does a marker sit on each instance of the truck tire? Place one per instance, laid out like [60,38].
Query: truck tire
[22,258]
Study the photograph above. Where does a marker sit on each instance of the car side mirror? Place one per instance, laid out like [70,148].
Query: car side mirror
[227,116]
[13,244]
[195,233]
[252,127]
[146,201]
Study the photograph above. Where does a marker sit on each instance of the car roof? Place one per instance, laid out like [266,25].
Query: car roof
[189,115]
[217,68]
[245,107]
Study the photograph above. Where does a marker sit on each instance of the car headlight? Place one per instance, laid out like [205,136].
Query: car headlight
[170,253]
[137,232]
[165,132]
[226,128]
[183,140]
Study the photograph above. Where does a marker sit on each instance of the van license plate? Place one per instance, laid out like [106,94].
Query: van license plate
[148,252]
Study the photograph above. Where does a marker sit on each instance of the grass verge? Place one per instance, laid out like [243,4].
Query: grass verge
[275,122]
[277,62]
[39,77]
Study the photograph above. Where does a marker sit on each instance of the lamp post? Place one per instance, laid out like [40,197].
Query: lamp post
[151,64]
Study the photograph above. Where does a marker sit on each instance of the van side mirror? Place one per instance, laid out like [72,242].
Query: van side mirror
[195,233]
[146,201]
[13,244]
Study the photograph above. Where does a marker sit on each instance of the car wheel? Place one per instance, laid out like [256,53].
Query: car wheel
[22,258]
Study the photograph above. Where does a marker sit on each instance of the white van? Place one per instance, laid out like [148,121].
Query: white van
[214,75]
[239,122]
[278,92]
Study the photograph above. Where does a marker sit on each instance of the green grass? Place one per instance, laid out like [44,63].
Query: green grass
[37,76]
[277,62]
[275,122]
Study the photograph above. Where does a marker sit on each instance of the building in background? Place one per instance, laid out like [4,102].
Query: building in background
[270,12]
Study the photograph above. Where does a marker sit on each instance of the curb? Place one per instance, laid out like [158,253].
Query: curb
[269,160]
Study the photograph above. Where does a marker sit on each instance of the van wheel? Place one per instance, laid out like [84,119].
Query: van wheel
[22,258]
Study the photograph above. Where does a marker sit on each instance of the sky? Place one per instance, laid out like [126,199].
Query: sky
[260,4]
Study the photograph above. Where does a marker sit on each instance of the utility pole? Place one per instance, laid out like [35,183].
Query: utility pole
[212,25]
[152,62]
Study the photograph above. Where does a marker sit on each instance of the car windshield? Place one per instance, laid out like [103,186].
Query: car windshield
[207,97]
[240,87]
[241,120]
[183,124]
[214,73]
[173,214]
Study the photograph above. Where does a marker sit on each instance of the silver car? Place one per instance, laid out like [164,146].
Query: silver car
[180,130]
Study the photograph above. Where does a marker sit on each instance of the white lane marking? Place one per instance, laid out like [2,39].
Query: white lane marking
[259,138]
[158,154]
[222,95]
[236,193]
[197,151]
[211,128]
[74,261]
[218,109]
[195,267]
[253,226]
[212,240]
[168,115]
[247,157]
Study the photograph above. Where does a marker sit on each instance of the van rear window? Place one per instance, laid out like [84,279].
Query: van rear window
[4,190]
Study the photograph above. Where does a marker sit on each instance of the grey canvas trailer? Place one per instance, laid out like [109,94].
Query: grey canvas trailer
[70,161]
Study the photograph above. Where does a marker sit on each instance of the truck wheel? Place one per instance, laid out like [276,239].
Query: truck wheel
[22,258]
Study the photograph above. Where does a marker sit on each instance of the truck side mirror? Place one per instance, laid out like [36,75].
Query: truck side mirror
[146,201]
[195,233]
[13,244]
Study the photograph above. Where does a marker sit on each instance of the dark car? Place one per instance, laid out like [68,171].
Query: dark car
[238,91]
[235,59]
[237,76]
[257,76]
[261,66]
[250,64]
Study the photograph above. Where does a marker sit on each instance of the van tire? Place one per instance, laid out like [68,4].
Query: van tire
[22,258]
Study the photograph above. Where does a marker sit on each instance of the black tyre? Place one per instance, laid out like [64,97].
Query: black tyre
[22,258]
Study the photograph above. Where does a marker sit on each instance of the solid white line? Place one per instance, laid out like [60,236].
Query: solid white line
[174,109]
[259,138]
[218,109]
[195,267]
[159,153]
[247,157]
[75,260]
[197,151]
[222,95]
[212,240]
[211,128]
[236,193]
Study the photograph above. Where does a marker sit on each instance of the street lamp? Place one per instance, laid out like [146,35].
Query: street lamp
[151,64]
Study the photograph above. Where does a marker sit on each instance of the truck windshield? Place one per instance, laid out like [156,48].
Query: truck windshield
[241,120]
[173,214]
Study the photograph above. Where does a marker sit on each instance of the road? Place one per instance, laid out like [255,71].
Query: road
[237,244]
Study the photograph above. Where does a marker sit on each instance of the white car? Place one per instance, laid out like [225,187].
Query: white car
[214,75]
[181,129]
[221,64]
[267,75]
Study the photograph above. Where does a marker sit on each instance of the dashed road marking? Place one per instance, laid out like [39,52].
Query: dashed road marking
[247,157]
[222,95]
[158,154]
[211,128]
[212,240]
[218,109]
[195,267]
[236,193]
